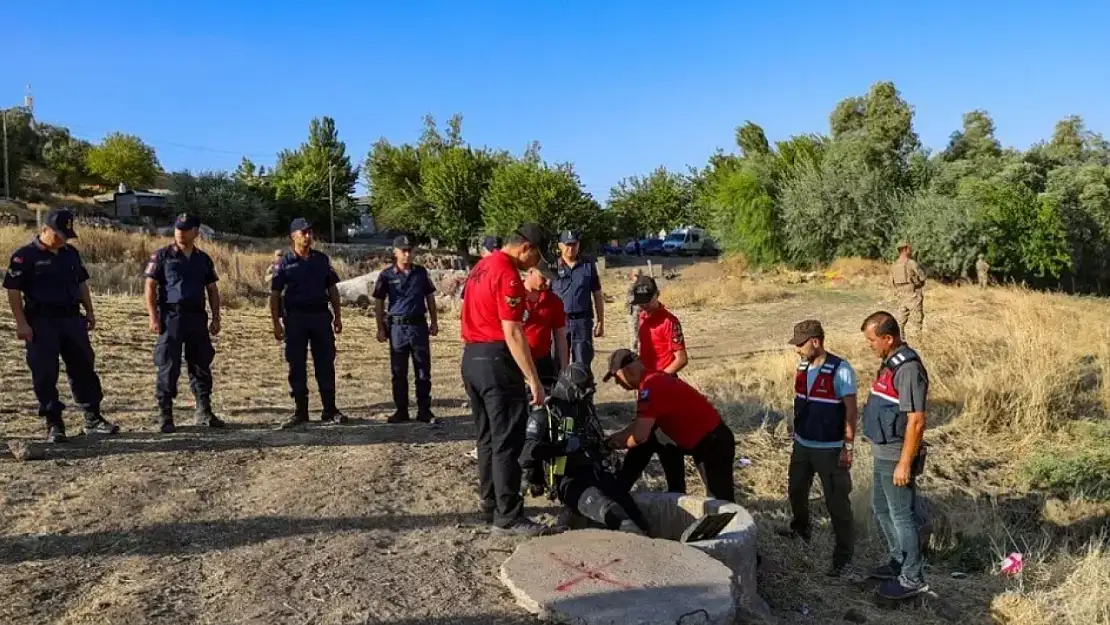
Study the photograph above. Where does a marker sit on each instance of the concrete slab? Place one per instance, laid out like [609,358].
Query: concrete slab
[599,577]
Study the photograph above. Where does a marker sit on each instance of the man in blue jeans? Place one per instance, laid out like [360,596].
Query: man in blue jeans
[894,423]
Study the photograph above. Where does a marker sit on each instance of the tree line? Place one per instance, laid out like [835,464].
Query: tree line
[1040,215]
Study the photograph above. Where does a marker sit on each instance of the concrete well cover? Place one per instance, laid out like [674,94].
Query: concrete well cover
[598,577]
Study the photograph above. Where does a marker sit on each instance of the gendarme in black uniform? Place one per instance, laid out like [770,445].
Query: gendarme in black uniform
[181,281]
[302,285]
[51,282]
[406,324]
[575,285]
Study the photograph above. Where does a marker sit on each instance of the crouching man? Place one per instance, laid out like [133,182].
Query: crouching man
[680,412]
[565,454]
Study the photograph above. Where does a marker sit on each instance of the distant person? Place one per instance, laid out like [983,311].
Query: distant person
[634,312]
[47,286]
[982,272]
[908,280]
[578,285]
[411,295]
[894,423]
[302,287]
[179,279]
[825,417]
[683,414]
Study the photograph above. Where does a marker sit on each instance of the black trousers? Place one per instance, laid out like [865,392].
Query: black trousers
[836,482]
[600,497]
[637,459]
[302,332]
[410,341]
[188,332]
[714,457]
[498,402]
[66,337]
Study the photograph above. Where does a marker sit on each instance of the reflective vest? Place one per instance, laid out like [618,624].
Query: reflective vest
[884,422]
[819,415]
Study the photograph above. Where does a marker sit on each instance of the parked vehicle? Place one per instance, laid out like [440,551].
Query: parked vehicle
[688,241]
[648,247]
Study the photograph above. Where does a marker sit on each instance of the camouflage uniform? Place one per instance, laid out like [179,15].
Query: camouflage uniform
[982,272]
[908,280]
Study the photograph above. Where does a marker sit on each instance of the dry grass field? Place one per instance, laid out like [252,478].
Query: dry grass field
[374,523]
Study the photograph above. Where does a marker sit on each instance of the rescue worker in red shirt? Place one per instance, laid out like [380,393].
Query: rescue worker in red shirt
[662,345]
[498,372]
[545,325]
[680,412]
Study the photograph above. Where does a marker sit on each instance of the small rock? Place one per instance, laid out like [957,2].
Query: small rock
[854,616]
[24,451]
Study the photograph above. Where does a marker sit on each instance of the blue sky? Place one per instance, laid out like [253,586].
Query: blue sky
[617,87]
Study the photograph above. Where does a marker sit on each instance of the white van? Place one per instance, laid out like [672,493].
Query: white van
[687,241]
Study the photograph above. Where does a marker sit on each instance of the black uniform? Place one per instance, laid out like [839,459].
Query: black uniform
[407,323]
[565,454]
[576,286]
[303,283]
[182,281]
[50,282]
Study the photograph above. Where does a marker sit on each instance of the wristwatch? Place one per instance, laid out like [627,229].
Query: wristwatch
[848,445]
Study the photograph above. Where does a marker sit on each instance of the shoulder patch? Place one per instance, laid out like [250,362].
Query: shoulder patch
[150,267]
[17,259]
[644,393]
[513,302]
[676,333]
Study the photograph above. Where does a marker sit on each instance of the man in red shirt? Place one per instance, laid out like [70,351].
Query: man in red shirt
[545,323]
[680,412]
[497,368]
[662,344]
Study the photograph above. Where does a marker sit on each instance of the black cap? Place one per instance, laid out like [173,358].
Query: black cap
[491,243]
[618,360]
[545,270]
[402,242]
[568,237]
[60,220]
[806,330]
[298,224]
[643,289]
[186,221]
[537,236]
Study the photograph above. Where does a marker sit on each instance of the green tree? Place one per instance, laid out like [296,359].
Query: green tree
[305,180]
[744,217]
[660,201]
[1025,233]
[453,181]
[223,202]
[66,156]
[752,140]
[946,233]
[975,141]
[123,158]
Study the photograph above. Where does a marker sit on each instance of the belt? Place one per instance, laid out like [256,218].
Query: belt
[408,320]
[184,307]
[306,309]
[580,315]
[52,310]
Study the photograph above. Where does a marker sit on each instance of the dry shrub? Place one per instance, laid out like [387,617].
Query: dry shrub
[849,268]
[720,285]
[1072,590]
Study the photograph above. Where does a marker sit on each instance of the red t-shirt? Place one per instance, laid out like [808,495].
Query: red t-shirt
[660,335]
[494,293]
[541,318]
[680,411]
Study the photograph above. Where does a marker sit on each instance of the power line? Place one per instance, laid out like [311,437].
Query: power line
[81,133]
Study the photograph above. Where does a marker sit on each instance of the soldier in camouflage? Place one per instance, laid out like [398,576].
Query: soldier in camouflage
[982,272]
[908,280]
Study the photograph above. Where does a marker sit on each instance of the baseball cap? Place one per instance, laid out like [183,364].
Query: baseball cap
[618,360]
[298,224]
[60,220]
[902,244]
[568,236]
[806,330]
[186,221]
[402,242]
[491,243]
[545,270]
[643,289]
[537,236]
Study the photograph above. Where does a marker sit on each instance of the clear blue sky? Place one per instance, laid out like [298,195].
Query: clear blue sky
[617,87]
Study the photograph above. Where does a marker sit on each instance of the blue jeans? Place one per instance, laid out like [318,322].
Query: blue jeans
[894,507]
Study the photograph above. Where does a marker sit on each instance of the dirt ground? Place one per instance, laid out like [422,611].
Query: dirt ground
[358,523]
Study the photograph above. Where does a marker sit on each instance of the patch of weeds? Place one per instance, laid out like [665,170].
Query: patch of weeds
[1085,472]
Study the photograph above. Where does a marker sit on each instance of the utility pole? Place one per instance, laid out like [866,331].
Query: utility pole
[7,180]
[331,203]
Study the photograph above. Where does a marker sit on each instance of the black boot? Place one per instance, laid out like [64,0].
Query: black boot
[96,424]
[204,415]
[300,416]
[165,420]
[398,416]
[424,411]
[330,413]
[55,430]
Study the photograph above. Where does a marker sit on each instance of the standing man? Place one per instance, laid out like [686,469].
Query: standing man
[302,286]
[498,372]
[411,296]
[633,312]
[825,416]
[47,286]
[178,277]
[894,423]
[545,323]
[578,284]
[683,414]
[908,280]
[982,272]
[662,343]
